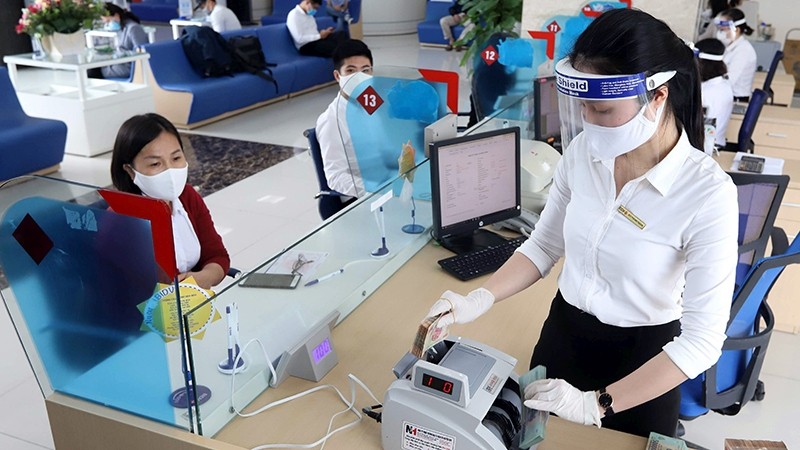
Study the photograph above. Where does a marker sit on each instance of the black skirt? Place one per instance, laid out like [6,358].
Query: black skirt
[590,355]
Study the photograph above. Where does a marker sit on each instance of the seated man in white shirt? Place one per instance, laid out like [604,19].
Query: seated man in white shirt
[307,38]
[221,18]
[352,63]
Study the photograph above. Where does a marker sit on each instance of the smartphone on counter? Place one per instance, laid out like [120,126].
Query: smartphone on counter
[271,280]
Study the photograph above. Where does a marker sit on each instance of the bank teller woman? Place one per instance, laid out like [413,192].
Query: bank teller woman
[716,90]
[740,56]
[646,224]
[148,160]
[130,36]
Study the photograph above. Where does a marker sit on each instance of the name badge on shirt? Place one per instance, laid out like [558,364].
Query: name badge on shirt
[631,216]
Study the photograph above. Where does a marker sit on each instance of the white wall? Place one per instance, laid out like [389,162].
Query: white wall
[386,17]
[782,14]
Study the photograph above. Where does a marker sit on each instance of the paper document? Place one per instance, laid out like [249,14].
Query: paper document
[772,166]
[299,261]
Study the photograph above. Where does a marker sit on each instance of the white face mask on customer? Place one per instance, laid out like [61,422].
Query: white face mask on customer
[166,185]
[725,37]
[349,82]
[610,142]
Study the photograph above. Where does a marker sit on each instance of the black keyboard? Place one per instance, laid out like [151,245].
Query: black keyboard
[467,266]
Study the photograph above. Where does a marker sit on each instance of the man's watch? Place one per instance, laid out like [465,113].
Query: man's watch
[606,402]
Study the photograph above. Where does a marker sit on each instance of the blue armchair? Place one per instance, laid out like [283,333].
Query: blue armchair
[330,201]
[29,144]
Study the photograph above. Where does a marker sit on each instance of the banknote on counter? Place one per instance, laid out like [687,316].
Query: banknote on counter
[660,442]
[428,335]
[533,421]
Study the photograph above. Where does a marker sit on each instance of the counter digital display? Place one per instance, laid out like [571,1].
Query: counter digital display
[438,384]
[322,350]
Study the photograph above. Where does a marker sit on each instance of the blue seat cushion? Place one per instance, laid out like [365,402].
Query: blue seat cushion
[155,10]
[29,144]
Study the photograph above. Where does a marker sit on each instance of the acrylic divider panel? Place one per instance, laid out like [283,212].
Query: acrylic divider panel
[281,318]
[78,279]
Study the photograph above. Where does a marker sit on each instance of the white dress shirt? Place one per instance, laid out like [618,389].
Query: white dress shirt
[187,245]
[740,57]
[302,27]
[338,154]
[223,19]
[717,97]
[681,265]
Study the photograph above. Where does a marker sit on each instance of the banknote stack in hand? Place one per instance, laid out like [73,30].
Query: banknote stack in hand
[428,335]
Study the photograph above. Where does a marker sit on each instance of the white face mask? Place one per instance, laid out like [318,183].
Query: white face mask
[610,142]
[724,37]
[349,82]
[166,185]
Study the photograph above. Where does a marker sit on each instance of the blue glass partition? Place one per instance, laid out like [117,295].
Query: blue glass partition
[78,276]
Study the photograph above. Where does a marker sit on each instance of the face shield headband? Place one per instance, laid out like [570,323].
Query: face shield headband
[589,86]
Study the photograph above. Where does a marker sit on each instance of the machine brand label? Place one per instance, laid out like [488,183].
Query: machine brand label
[416,437]
[492,384]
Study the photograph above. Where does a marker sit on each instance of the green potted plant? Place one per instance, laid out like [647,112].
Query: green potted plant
[51,20]
[491,17]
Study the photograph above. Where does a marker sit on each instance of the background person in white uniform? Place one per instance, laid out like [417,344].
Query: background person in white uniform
[221,18]
[740,56]
[647,226]
[352,63]
[717,93]
[307,38]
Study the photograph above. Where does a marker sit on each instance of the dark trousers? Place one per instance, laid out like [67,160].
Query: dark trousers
[323,47]
[590,355]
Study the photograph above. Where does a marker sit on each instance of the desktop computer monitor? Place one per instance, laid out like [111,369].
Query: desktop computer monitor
[475,181]
[546,123]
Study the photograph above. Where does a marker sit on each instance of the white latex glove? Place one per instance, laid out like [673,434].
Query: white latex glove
[462,309]
[563,399]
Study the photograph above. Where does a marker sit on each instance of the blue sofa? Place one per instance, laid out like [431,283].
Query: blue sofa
[30,145]
[189,100]
[429,31]
[280,8]
[155,10]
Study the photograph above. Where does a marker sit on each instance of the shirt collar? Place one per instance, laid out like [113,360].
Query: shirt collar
[664,174]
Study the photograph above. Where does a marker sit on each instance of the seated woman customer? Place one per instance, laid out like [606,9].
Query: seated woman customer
[130,36]
[148,160]
[716,91]
[740,56]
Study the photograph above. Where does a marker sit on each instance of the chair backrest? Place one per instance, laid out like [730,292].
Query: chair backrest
[760,197]
[329,201]
[750,119]
[771,74]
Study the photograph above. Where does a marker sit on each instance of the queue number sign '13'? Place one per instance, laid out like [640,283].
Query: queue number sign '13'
[370,100]
[489,55]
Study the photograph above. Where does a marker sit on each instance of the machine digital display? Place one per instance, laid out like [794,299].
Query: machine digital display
[437,384]
[322,350]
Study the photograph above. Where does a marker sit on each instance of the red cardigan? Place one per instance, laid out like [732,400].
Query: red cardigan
[212,250]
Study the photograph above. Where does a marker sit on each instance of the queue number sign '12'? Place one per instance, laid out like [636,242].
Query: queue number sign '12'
[370,100]
[489,55]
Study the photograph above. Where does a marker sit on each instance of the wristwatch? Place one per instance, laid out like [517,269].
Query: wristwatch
[606,402]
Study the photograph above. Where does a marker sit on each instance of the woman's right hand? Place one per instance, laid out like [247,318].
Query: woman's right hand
[462,309]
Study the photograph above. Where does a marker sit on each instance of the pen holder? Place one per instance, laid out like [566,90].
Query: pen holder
[226,366]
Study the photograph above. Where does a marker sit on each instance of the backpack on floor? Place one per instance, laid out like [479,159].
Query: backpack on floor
[207,52]
[248,56]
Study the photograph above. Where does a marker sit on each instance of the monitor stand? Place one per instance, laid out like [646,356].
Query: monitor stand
[477,240]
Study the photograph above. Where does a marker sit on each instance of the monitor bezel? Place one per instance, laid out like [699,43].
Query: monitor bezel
[469,226]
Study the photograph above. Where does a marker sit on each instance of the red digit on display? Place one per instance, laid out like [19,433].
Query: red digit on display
[430,380]
[448,387]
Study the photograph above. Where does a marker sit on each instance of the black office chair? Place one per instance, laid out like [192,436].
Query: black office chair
[770,75]
[760,197]
[330,201]
[745,143]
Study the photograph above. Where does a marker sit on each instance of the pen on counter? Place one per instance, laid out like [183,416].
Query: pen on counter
[324,277]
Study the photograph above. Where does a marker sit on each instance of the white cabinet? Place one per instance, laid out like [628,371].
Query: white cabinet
[93,109]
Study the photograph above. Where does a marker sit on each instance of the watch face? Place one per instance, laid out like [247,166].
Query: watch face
[605,400]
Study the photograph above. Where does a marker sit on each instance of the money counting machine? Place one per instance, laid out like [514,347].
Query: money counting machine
[460,395]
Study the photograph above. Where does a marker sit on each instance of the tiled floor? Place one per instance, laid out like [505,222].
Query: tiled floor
[268,211]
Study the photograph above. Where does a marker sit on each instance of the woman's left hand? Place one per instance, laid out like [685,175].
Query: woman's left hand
[563,399]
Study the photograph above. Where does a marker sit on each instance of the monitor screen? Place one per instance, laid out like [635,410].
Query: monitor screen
[547,123]
[475,181]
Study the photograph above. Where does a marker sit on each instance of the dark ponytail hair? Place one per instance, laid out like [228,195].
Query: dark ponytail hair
[717,6]
[736,14]
[711,69]
[124,15]
[132,137]
[628,41]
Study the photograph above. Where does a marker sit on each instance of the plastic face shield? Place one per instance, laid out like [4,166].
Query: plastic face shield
[604,100]
[728,25]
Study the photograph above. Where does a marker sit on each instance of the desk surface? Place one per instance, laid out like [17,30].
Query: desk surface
[369,342]
[791,167]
